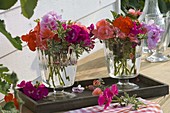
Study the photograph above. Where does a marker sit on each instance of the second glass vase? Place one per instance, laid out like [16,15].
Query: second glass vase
[123,63]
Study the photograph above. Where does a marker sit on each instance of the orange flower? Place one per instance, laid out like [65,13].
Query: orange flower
[125,24]
[104,30]
[31,38]
[96,83]
[97,91]
[47,34]
[9,98]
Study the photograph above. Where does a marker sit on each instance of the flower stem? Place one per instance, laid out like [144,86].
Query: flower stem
[67,77]
[59,76]
[51,71]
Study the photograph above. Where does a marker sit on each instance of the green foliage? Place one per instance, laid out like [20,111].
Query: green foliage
[6,4]
[4,87]
[6,79]
[131,100]
[12,110]
[126,100]
[28,7]
[114,14]
[16,42]
[164,5]
[135,4]
[9,106]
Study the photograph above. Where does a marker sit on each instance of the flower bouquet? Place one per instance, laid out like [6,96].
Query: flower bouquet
[59,44]
[123,39]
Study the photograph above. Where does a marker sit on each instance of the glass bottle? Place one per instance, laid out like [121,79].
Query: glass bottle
[150,6]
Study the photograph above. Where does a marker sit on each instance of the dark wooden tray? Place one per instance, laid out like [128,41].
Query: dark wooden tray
[147,88]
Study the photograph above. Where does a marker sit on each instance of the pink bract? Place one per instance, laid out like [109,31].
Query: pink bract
[103,30]
[134,12]
[107,96]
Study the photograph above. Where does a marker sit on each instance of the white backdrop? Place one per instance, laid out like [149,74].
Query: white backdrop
[25,62]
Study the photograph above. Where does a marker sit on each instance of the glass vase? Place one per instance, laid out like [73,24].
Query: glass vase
[157,55]
[150,6]
[123,63]
[58,71]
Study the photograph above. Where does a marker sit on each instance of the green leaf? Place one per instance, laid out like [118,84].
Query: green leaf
[114,14]
[27,7]
[162,6]
[9,106]
[6,4]
[14,78]
[16,42]
[4,87]
[109,20]
[3,69]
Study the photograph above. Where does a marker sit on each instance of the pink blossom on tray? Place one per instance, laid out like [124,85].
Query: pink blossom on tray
[36,92]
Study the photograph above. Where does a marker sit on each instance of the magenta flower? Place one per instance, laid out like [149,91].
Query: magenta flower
[107,96]
[35,92]
[29,89]
[40,93]
[22,84]
[137,28]
[91,28]
[114,89]
[101,99]
[73,34]
[78,34]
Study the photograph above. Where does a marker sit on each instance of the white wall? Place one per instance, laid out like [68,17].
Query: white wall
[25,62]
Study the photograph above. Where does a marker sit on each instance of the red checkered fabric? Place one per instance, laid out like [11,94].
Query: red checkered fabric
[151,107]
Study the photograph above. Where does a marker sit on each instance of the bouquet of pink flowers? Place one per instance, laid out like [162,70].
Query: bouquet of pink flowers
[122,36]
[54,34]
[60,42]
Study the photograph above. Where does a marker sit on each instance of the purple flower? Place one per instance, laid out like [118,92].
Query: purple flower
[78,89]
[49,21]
[107,96]
[154,33]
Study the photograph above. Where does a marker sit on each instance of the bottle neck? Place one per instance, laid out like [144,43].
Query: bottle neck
[151,6]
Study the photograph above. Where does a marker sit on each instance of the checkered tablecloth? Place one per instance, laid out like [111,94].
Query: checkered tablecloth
[151,107]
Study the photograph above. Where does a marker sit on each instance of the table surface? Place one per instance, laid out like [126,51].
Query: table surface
[93,66]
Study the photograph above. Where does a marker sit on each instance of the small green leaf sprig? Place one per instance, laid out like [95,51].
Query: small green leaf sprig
[129,100]
[8,81]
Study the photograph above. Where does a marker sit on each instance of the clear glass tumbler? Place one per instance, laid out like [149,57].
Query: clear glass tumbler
[157,55]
